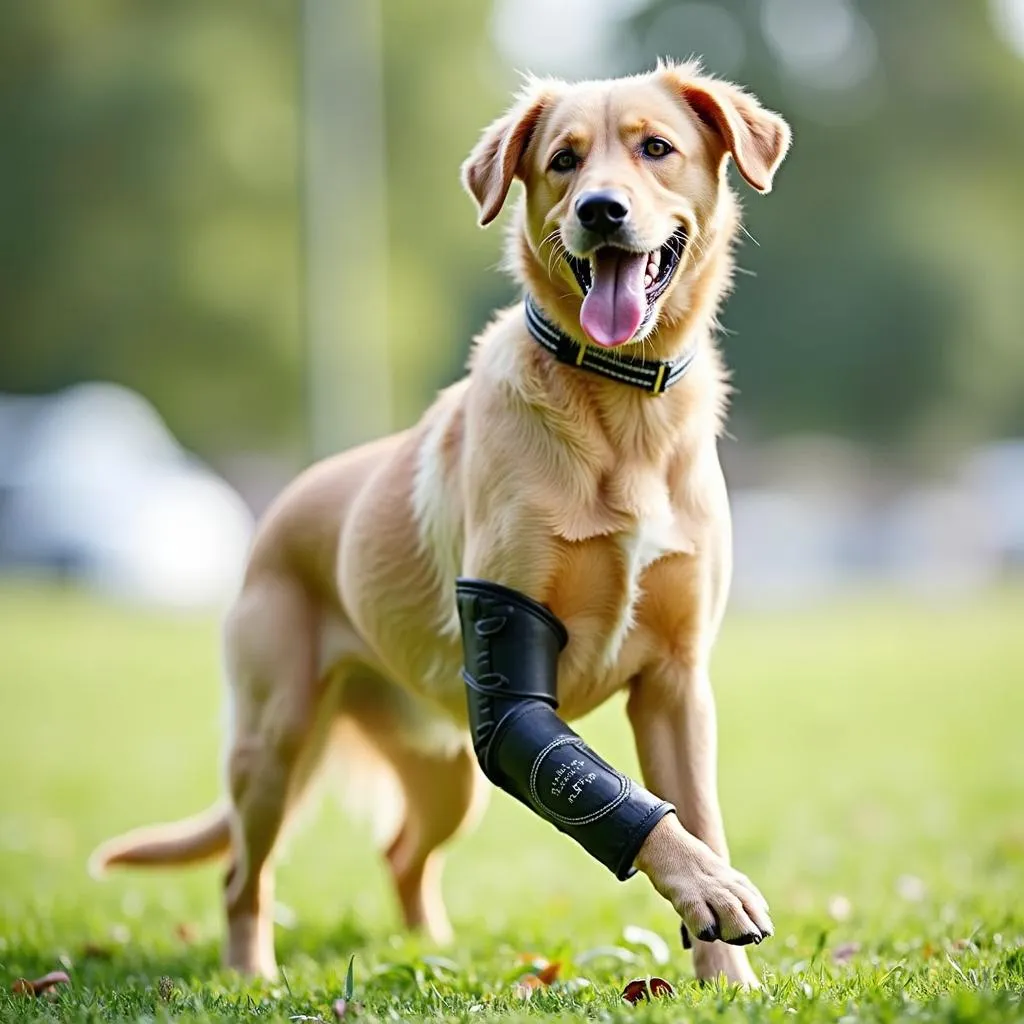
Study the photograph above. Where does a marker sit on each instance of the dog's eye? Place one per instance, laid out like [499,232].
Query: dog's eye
[564,160]
[656,147]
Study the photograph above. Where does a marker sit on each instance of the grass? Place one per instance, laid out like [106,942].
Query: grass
[872,777]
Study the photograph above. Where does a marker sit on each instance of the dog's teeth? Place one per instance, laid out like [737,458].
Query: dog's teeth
[648,280]
[655,257]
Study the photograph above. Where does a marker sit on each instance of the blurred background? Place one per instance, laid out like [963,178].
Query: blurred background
[232,240]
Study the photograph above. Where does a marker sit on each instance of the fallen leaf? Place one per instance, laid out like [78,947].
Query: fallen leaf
[24,987]
[657,946]
[550,972]
[525,986]
[186,932]
[646,988]
[846,952]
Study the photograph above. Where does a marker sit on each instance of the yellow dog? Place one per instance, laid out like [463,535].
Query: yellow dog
[576,466]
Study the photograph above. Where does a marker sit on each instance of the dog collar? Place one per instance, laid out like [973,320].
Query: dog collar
[654,375]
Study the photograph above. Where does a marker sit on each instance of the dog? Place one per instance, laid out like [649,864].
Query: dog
[563,465]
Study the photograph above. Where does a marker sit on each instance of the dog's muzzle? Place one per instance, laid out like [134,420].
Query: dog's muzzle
[511,646]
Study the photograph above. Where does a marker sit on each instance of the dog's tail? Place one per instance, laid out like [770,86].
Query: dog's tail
[202,837]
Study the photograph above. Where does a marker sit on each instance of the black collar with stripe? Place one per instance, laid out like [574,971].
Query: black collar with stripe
[655,375]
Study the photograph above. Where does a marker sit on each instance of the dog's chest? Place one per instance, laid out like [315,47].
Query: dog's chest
[655,532]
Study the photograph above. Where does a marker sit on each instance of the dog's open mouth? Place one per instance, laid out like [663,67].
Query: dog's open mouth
[620,288]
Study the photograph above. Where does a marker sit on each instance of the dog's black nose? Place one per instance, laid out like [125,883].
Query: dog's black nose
[603,210]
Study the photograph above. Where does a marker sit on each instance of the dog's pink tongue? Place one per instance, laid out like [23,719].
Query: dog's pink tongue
[615,304]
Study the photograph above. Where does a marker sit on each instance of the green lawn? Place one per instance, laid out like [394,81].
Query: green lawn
[872,762]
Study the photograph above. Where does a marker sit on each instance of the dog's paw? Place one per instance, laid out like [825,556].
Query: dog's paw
[715,901]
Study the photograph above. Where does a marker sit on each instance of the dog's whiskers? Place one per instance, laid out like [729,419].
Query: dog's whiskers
[557,248]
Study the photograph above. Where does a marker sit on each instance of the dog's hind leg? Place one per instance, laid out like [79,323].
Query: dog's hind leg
[443,791]
[278,733]
[440,792]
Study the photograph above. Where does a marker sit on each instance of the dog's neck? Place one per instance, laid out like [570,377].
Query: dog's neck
[651,426]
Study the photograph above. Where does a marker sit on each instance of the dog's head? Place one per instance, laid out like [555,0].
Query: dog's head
[625,186]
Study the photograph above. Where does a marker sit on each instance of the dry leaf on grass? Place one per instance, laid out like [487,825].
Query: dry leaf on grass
[545,974]
[549,972]
[186,932]
[526,986]
[24,987]
[647,988]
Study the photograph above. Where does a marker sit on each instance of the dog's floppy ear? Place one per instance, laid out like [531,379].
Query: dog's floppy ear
[756,137]
[488,171]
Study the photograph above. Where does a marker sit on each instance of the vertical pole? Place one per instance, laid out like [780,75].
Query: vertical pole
[345,224]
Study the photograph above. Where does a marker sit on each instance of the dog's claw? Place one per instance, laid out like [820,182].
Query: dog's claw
[710,934]
[684,934]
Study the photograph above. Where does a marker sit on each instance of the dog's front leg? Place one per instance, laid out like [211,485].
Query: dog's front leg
[511,646]
[672,712]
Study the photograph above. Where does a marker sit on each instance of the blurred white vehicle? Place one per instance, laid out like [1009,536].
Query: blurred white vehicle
[995,474]
[93,486]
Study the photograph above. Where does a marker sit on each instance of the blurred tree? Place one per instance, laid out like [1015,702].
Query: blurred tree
[150,228]
[443,83]
[148,218]
[886,303]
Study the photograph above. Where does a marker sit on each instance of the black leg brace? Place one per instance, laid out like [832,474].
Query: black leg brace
[511,646]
